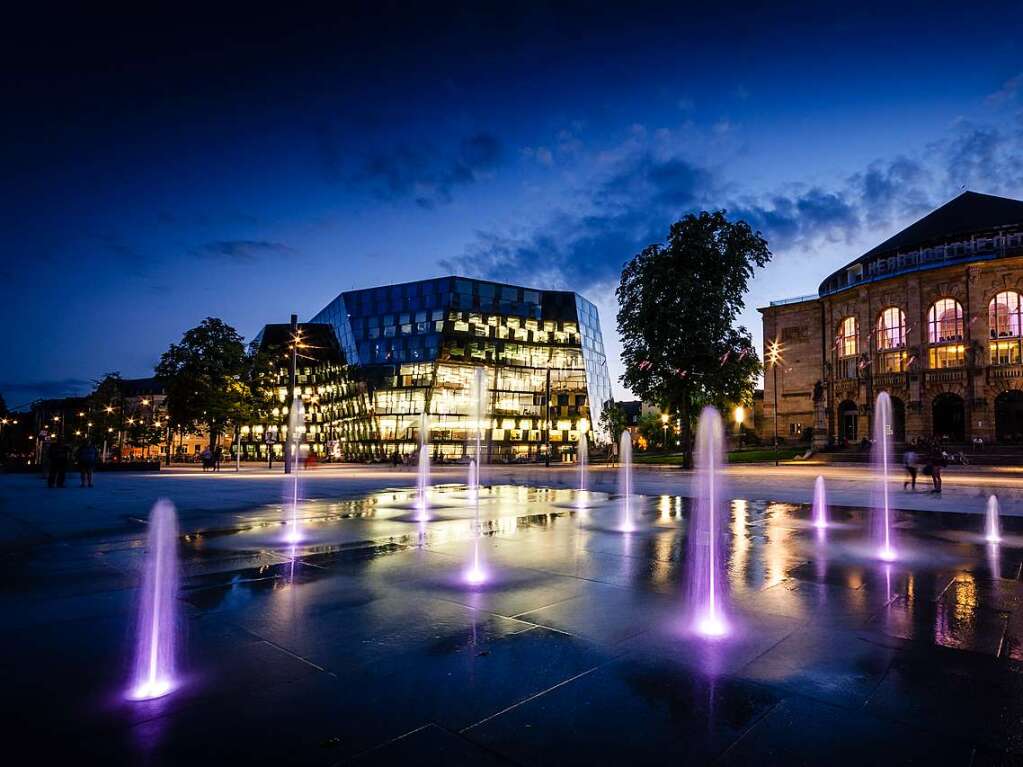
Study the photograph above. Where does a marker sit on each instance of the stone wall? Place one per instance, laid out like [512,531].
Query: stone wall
[800,328]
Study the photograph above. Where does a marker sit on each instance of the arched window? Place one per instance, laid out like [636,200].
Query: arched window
[945,334]
[847,347]
[1005,327]
[891,340]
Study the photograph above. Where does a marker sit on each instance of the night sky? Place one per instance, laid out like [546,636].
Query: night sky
[159,167]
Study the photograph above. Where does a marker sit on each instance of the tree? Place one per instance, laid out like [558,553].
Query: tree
[205,376]
[612,420]
[651,428]
[678,303]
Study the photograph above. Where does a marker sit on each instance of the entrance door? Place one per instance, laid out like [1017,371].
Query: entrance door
[949,413]
[1009,416]
[847,421]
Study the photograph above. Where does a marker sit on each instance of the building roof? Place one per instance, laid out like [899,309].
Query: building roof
[318,341]
[957,221]
[968,213]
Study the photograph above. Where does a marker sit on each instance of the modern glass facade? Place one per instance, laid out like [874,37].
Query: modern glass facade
[408,348]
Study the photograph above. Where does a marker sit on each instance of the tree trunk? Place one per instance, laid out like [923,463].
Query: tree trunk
[687,435]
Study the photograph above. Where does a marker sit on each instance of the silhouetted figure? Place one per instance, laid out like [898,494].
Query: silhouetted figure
[909,460]
[207,460]
[58,464]
[86,457]
[218,456]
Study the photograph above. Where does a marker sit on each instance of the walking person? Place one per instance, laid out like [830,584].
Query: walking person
[207,460]
[218,456]
[86,459]
[909,460]
[395,459]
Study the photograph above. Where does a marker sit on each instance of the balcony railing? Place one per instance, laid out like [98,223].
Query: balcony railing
[1003,372]
[890,379]
[944,375]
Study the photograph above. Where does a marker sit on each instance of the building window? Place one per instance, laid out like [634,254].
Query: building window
[891,340]
[945,334]
[945,321]
[1005,328]
[847,344]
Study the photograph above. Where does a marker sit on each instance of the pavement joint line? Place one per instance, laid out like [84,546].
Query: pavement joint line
[296,656]
[532,697]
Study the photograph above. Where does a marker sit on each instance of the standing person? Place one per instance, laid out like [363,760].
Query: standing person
[909,460]
[937,462]
[218,456]
[207,460]
[395,459]
[86,458]
[58,464]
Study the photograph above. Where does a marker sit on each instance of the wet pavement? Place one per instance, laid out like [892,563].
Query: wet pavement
[364,644]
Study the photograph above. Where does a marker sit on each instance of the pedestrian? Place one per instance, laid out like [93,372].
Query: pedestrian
[218,456]
[86,459]
[395,459]
[909,460]
[58,464]
[207,460]
[937,462]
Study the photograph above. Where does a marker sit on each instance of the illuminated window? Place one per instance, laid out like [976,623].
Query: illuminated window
[846,343]
[945,321]
[945,333]
[1005,328]
[891,329]
[891,341]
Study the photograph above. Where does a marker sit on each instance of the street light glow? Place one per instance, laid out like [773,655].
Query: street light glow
[740,414]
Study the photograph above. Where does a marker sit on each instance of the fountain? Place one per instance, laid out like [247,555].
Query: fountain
[993,528]
[882,523]
[423,473]
[476,574]
[582,452]
[705,556]
[296,426]
[820,504]
[155,651]
[625,481]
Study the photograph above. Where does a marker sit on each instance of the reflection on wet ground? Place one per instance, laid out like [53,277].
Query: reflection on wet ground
[363,642]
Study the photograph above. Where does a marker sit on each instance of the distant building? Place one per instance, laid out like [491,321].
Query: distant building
[377,358]
[932,315]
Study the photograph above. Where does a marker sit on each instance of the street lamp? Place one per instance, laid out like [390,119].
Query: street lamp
[774,351]
[664,428]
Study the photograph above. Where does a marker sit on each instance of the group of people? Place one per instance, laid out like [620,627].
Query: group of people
[211,458]
[930,459]
[59,456]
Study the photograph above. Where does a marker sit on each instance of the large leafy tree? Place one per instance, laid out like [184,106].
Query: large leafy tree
[678,305]
[205,376]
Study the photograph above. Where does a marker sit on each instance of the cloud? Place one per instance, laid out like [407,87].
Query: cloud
[429,176]
[644,184]
[243,251]
[1009,92]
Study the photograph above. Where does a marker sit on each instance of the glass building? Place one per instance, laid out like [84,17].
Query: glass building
[373,360]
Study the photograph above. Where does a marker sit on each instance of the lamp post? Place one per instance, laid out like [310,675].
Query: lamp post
[774,357]
[664,429]
[740,416]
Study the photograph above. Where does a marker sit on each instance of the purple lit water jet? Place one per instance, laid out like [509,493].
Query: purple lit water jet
[993,527]
[296,427]
[625,481]
[882,461]
[705,570]
[423,472]
[155,649]
[583,458]
[476,574]
[820,504]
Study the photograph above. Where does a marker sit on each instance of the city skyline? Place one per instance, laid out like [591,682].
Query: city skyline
[163,172]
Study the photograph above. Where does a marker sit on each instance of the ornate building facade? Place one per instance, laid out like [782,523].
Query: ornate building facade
[932,316]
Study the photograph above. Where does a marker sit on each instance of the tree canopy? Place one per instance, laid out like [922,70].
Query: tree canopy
[678,305]
[205,376]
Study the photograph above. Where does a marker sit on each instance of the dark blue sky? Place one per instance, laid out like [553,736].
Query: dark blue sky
[163,166]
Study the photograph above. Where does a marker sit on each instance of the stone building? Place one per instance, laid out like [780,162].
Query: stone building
[932,316]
